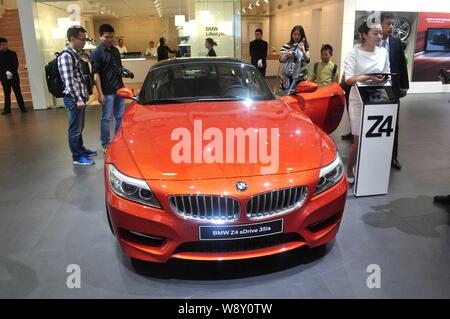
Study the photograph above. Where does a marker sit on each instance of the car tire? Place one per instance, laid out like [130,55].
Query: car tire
[109,220]
[402,28]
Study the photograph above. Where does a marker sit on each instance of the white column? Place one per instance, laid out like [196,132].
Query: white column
[347,29]
[33,54]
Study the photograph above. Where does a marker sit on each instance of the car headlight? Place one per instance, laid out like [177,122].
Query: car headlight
[131,188]
[330,175]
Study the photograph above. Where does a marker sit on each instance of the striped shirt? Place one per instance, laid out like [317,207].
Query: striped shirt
[71,75]
[288,47]
[287,80]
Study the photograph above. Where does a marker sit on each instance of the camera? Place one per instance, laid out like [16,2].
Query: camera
[125,73]
[444,75]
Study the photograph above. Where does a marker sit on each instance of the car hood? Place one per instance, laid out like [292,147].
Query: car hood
[158,138]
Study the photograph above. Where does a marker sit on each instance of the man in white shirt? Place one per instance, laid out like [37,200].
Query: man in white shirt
[151,50]
[121,47]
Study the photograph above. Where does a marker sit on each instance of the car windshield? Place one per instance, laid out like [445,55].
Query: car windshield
[204,81]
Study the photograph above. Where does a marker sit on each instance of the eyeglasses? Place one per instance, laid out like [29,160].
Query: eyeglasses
[85,39]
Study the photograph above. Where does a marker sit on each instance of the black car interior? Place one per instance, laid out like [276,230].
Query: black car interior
[202,82]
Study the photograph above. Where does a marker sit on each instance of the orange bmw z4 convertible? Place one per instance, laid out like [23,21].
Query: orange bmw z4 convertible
[210,165]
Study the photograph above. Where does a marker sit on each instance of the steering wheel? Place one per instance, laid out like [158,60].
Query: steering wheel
[229,89]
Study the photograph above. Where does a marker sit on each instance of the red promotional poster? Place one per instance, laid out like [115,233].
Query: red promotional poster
[432,51]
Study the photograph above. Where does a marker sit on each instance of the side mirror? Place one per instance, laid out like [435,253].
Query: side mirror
[126,93]
[306,87]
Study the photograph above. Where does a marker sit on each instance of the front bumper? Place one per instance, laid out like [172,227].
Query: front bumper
[158,235]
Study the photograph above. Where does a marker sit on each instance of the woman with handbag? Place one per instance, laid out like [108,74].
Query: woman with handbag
[294,55]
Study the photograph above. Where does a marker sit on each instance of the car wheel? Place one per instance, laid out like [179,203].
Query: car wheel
[109,220]
[402,28]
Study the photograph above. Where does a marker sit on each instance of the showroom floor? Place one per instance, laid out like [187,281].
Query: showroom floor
[52,215]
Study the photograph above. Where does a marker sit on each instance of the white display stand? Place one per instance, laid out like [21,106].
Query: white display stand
[379,116]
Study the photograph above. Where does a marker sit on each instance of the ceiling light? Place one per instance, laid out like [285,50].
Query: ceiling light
[101,12]
[257,3]
[250,6]
[266,1]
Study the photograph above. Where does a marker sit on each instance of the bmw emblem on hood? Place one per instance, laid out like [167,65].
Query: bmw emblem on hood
[241,186]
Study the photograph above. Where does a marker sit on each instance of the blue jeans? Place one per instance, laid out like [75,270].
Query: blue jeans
[116,104]
[76,126]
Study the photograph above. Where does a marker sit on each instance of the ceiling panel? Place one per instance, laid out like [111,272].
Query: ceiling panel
[124,8]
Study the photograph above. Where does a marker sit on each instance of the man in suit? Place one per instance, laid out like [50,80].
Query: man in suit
[9,76]
[258,52]
[400,83]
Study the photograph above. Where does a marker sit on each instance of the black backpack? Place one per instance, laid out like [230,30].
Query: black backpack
[55,84]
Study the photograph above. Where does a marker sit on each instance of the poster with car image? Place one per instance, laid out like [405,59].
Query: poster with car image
[432,51]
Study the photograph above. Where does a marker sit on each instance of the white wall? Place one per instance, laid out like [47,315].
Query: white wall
[322,23]
[33,54]
[47,21]
[350,6]
[213,14]
[137,33]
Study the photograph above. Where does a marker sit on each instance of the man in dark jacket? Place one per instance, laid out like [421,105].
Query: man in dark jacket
[106,65]
[397,60]
[258,52]
[9,76]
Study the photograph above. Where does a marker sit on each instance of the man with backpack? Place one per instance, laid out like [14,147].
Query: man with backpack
[75,94]
[325,72]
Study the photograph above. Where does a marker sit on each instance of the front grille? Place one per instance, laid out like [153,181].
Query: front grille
[276,202]
[238,245]
[205,207]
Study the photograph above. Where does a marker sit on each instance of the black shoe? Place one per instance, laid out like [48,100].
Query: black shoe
[445,200]
[6,112]
[23,110]
[396,164]
[347,137]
